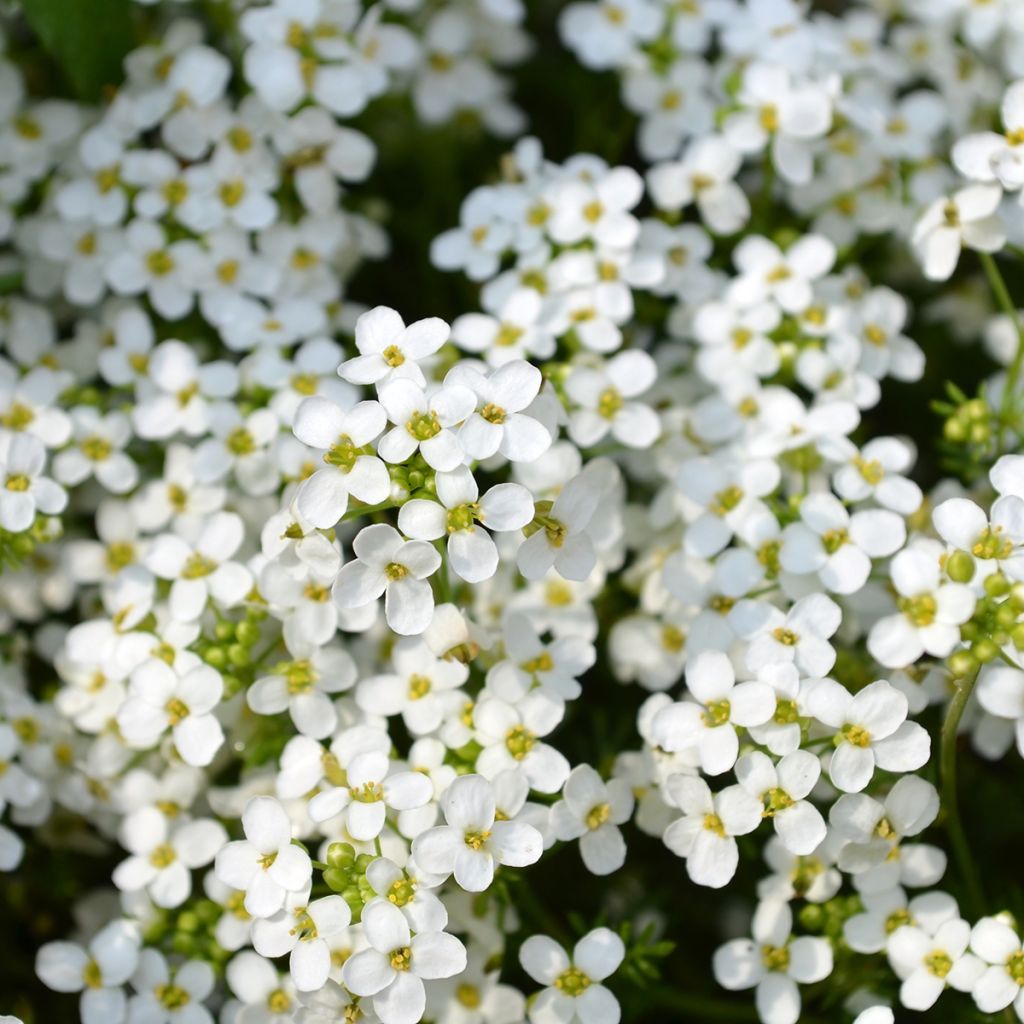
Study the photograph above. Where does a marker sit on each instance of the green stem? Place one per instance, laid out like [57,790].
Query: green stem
[365,510]
[947,769]
[1006,304]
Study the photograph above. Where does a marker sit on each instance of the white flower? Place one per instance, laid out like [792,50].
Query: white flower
[499,424]
[166,996]
[267,998]
[994,538]
[386,564]
[162,858]
[704,835]
[574,989]
[471,552]
[98,972]
[418,688]
[97,451]
[351,468]
[1001,693]
[966,219]
[425,423]
[704,176]
[591,810]
[558,536]
[930,611]
[710,725]
[302,686]
[601,397]
[304,929]
[787,115]
[393,969]
[388,349]
[781,788]
[24,491]
[161,698]
[931,956]
[871,729]
[511,739]
[148,263]
[993,156]
[774,963]
[597,209]
[473,842]
[369,792]
[766,272]
[837,546]
[997,944]
[265,865]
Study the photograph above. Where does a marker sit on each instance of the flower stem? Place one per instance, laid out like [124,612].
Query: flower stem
[694,1006]
[1006,304]
[947,769]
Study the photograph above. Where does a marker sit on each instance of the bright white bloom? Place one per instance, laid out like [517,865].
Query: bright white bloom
[574,989]
[471,552]
[98,972]
[266,866]
[370,791]
[995,943]
[591,810]
[388,349]
[966,219]
[774,963]
[425,423]
[709,724]
[473,842]
[24,491]
[704,835]
[782,789]
[399,569]
[393,969]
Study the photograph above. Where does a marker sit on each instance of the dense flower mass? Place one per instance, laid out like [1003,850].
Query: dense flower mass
[319,620]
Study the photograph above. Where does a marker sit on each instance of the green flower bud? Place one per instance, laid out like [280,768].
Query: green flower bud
[960,567]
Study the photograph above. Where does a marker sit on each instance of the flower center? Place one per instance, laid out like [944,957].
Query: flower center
[171,996]
[402,892]
[240,442]
[775,958]
[393,356]
[424,425]
[597,816]
[462,517]
[17,482]
[197,566]
[299,675]
[476,839]
[177,710]
[419,686]
[542,663]
[609,403]
[401,959]
[717,713]
[92,975]
[786,637]
[159,262]
[938,963]
[520,742]
[897,919]
[786,712]
[833,540]
[713,823]
[395,571]
[992,544]
[856,735]
[920,610]
[572,982]
[726,500]
[342,454]
[468,996]
[18,417]
[163,856]
[493,413]
[1015,967]
[278,1001]
[367,793]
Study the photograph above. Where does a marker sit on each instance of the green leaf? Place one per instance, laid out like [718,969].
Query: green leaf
[87,38]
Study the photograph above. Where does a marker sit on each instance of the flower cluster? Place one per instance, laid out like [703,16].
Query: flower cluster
[311,615]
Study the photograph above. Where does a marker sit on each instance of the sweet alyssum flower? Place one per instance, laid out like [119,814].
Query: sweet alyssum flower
[266,866]
[591,810]
[393,969]
[472,842]
[574,989]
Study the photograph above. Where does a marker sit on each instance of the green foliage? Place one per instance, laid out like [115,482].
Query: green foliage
[87,38]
